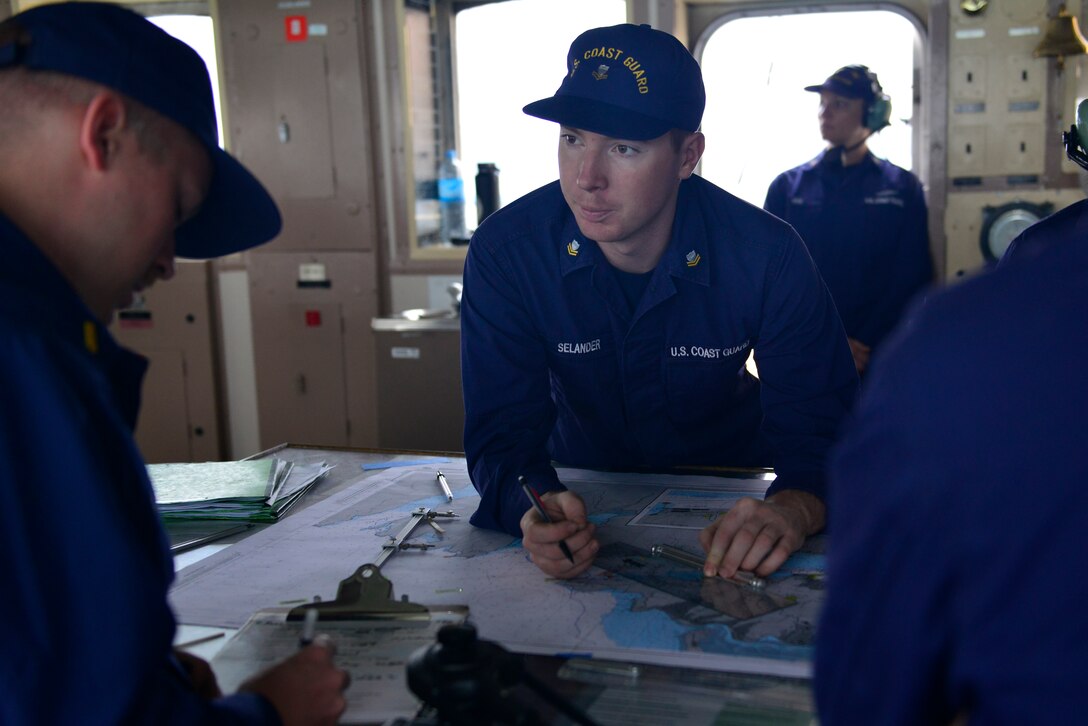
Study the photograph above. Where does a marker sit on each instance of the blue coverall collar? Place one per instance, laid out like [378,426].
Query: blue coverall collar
[42,292]
[830,157]
[684,258]
[41,296]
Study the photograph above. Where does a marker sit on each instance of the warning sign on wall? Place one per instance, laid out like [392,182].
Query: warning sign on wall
[295,28]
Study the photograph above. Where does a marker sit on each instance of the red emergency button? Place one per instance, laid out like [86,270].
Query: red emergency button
[313,318]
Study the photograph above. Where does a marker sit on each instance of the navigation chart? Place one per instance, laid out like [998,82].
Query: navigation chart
[633,606]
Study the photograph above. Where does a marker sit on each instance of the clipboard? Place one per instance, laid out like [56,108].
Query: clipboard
[374,634]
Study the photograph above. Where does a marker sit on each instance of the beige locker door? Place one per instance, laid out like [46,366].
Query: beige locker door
[307,368]
[162,431]
[315,374]
[173,327]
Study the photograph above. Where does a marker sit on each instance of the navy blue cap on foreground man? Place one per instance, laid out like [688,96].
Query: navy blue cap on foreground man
[607,318]
[110,160]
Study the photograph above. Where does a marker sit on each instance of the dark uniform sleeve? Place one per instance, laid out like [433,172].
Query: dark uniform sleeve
[87,629]
[884,627]
[509,413]
[1070,223]
[956,573]
[807,375]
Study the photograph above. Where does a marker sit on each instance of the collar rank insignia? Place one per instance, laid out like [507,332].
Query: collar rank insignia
[572,248]
[693,258]
[90,337]
[601,73]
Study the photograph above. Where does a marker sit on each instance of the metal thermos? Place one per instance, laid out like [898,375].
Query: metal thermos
[487,191]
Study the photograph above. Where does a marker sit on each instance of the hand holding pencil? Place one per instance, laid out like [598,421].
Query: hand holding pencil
[308,687]
[555,532]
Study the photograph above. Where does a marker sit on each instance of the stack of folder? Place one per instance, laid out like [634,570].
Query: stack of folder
[261,490]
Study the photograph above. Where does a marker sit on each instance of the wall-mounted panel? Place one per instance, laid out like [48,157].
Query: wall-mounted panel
[964,222]
[967,151]
[1025,78]
[1023,149]
[300,116]
[172,325]
[967,78]
[314,347]
[303,166]
[995,83]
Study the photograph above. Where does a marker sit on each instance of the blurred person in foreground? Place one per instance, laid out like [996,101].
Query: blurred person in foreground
[111,165]
[956,574]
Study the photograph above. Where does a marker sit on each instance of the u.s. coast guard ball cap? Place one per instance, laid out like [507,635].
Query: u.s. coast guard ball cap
[117,48]
[850,82]
[628,82]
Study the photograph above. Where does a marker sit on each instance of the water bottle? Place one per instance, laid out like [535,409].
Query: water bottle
[451,199]
[487,191]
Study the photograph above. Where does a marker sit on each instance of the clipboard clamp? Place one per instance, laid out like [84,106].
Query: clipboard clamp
[366,595]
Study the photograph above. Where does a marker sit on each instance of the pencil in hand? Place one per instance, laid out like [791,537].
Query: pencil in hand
[538,505]
[309,628]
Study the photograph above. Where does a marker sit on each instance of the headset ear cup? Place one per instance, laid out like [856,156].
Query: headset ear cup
[879,113]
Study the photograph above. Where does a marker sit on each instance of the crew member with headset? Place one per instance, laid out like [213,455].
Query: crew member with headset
[863,218]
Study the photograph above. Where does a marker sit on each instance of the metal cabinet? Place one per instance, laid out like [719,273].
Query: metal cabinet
[313,347]
[420,405]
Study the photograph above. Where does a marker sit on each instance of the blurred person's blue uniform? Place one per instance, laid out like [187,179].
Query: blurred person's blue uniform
[862,218]
[956,579]
[111,165]
[86,564]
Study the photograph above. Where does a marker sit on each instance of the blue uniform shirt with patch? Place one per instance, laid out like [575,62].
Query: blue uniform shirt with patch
[87,630]
[557,366]
[865,226]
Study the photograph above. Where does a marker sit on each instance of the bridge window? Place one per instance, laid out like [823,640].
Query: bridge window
[198,32]
[498,72]
[760,121]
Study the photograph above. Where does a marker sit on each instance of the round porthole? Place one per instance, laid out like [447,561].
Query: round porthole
[1001,225]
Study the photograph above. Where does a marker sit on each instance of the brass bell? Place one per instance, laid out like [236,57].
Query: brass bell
[1062,38]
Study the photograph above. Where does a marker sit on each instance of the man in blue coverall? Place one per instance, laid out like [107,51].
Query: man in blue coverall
[607,318]
[862,218]
[109,142]
[956,574]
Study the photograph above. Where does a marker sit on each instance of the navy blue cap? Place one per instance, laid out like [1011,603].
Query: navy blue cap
[851,82]
[627,82]
[115,47]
